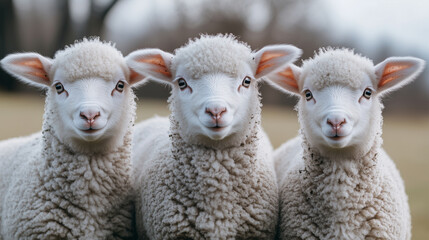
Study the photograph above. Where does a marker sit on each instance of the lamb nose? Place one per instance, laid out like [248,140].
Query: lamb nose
[89,116]
[216,112]
[336,123]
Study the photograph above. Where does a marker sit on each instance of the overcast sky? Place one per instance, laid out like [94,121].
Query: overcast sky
[404,22]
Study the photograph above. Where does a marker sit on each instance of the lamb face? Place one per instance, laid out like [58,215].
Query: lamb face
[340,97]
[339,116]
[89,109]
[214,83]
[216,105]
[88,92]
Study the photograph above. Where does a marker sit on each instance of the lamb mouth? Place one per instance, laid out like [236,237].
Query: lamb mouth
[90,130]
[216,128]
[336,138]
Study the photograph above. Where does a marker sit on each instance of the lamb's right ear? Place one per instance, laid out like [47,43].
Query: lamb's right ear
[153,63]
[287,79]
[31,68]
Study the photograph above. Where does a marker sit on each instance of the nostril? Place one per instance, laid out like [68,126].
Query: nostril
[209,112]
[222,111]
[96,115]
[83,116]
[329,122]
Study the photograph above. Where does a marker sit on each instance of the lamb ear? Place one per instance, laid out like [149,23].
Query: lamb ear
[287,79]
[395,72]
[274,57]
[136,79]
[31,68]
[153,63]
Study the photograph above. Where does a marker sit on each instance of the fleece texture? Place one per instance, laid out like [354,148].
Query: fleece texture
[357,197]
[187,191]
[347,199]
[337,66]
[89,58]
[227,55]
[49,190]
[205,189]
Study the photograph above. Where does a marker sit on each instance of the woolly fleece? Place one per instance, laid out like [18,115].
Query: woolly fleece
[48,190]
[349,199]
[227,55]
[220,190]
[362,197]
[337,66]
[89,58]
[195,192]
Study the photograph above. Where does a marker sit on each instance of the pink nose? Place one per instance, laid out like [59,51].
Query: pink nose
[336,123]
[89,116]
[216,112]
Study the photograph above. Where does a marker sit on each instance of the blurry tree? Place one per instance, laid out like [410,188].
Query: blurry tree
[7,40]
[168,24]
[63,32]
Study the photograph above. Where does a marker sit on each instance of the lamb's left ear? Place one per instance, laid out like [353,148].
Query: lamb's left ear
[287,79]
[31,68]
[153,63]
[273,58]
[136,79]
[395,72]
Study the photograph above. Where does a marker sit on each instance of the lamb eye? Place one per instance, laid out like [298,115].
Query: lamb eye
[367,93]
[246,82]
[308,95]
[59,87]
[182,83]
[120,86]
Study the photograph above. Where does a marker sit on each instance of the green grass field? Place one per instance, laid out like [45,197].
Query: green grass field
[406,139]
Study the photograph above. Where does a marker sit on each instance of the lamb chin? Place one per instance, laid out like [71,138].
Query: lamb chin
[337,142]
[92,136]
[217,133]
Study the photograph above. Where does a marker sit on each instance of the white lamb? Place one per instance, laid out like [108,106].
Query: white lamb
[207,173]
[73,179]
[335,180]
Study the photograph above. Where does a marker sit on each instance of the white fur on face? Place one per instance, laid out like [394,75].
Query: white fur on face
[213,91]
[88,96]
[339,116]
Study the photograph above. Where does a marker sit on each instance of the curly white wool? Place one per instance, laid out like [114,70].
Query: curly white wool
[89,58]
[348,68]
[335,180]
[227,55]
[194,181]
[51,188]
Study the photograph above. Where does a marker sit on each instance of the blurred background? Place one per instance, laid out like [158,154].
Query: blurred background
[376,29]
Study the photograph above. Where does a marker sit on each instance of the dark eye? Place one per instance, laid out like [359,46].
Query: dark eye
[182,83]
[59,87]
[367,93]
[246,82]
[308,95]
[120,86]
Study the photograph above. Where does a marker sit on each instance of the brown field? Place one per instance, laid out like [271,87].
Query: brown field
[406,139]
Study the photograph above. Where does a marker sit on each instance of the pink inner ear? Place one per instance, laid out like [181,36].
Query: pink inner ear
[36,67]
[390,72]
[266,57]
[158,62]
[134,76]
[288,77]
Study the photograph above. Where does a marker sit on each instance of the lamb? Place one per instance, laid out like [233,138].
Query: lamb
[335,180]
[206,172]
[73,179]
